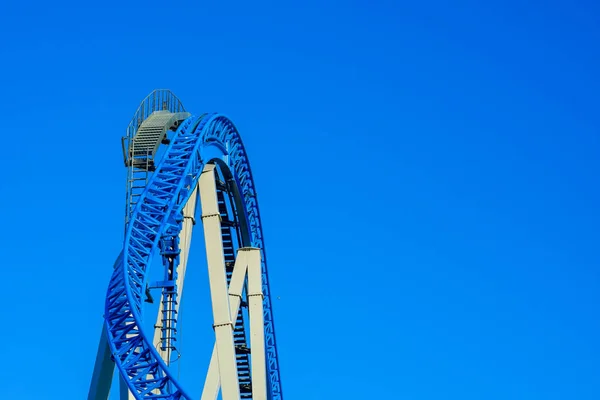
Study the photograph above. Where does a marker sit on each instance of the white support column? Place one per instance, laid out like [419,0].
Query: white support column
[124,393]
[257,329]
[212,384]
[185,240]
[103,371]
[236,285]
[223,325]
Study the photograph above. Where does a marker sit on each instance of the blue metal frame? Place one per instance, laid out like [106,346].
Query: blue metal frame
[159,213]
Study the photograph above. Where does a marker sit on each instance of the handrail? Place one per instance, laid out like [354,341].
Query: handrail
[159,99]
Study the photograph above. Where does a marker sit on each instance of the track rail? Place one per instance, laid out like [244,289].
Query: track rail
[198,140]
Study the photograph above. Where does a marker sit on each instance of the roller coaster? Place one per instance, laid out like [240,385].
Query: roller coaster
[177,164]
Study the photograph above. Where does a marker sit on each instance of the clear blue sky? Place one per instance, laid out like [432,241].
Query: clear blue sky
[427,173]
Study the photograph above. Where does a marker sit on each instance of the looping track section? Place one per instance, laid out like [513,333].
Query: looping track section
[197,141]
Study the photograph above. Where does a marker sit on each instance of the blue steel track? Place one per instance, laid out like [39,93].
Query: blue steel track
[158,216]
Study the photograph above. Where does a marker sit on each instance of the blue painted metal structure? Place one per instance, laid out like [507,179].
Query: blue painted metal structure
[154,223]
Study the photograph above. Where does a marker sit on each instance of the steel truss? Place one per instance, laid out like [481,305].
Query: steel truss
[212,144]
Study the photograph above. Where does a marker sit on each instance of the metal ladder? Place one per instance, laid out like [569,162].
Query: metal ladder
[138,174]
[159,112]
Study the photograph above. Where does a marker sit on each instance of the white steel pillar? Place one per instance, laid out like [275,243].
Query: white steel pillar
[236,285]
[257,329]
[124,393]
[104,367]
[222,325]
[185,240]
[103,370]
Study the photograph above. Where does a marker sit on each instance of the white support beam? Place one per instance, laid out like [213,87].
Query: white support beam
[185,240]
[222,324]
[103,370]
[124,393]
[236,285]
[257,329]
[212,384]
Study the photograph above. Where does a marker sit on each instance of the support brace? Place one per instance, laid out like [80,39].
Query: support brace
[257,329]
[236,285]
[185,240]
[103,370]
[218,285]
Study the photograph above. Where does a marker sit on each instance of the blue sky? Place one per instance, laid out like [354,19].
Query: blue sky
[427,174]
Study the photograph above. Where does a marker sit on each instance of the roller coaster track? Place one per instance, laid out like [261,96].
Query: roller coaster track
[153,226]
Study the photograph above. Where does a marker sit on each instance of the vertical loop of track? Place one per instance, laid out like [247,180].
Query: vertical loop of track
[160,209]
